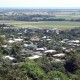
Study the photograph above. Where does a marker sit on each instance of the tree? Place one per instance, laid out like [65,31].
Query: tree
[73,63]
[45,64]
[56,75]
[33,70]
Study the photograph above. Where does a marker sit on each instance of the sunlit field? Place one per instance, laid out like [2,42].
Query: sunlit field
[43,24]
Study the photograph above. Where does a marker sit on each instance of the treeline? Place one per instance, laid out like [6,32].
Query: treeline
[23,17]
[34,17]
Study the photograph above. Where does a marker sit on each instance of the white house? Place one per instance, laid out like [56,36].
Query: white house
[18,40]
[40,49]
[11,41]
[9,57]
[59,55]
[34,57]
[50,51]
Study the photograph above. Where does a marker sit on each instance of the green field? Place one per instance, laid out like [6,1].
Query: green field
[44,24]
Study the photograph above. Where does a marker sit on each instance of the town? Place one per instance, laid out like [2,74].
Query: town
[19,44]
[36,42]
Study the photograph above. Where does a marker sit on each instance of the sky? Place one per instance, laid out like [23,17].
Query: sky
[40,3]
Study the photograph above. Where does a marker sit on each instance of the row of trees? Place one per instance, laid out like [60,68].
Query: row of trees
[30,18]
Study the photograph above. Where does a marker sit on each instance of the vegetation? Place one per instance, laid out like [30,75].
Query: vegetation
[56,43]
[42,24]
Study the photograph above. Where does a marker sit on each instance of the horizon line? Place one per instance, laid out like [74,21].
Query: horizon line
[39,7]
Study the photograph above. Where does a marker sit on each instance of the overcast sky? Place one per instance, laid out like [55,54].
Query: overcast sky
[41,3]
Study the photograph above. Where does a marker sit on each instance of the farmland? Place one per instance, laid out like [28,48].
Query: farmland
[37,18]
[43,24]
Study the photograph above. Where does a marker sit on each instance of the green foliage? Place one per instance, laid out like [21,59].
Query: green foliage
[15,50]
[2,40]
[72,63]
[74,77]
[45,64]
[56,75]
[33,70]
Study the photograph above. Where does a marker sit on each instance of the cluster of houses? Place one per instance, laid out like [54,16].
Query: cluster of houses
[30,38]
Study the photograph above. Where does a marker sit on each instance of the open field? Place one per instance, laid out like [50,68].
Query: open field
[43,24]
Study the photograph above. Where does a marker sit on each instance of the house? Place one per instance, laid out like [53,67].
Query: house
[8,57]
[11,41]
[58,60]
[41,49]
[44,37]
[30,46]
[4,46]
[60,55]
[34,38]
[69,50]
[38,53]
[18,40]
[48,39]
[73,41]
[24,51]
[50,51]
[63,48]
[26,45]
[15,40]
[19,33]
[34,57]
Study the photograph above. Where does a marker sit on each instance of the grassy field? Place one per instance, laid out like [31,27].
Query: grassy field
[44,24]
